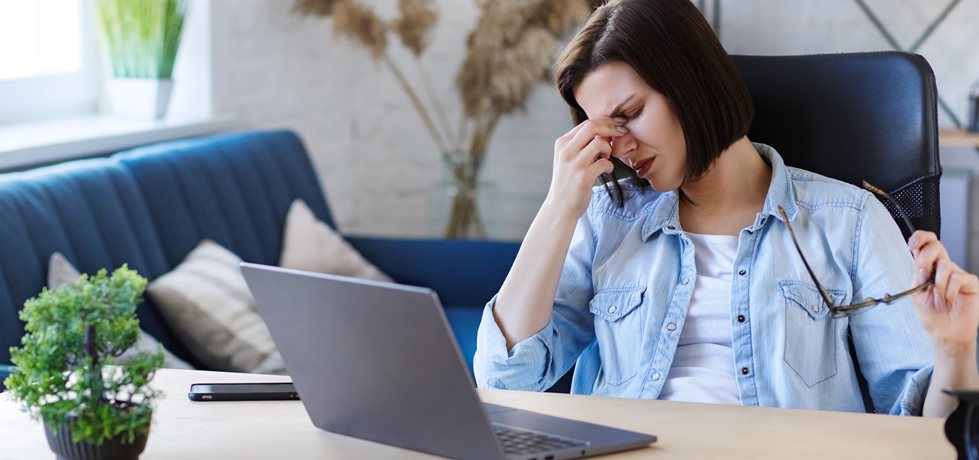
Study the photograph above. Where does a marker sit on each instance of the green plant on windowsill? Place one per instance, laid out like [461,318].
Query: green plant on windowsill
[66,369]
[140,39]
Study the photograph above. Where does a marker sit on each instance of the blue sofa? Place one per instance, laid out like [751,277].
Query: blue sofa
[150,206]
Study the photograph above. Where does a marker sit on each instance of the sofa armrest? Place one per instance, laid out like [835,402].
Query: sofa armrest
[462,272]
[5,371]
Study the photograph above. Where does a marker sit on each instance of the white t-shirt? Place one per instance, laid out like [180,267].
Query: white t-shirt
[703,367]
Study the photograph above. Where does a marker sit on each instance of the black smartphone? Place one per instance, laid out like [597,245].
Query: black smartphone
[269,391]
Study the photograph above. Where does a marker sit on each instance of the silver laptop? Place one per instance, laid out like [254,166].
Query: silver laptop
[378,361]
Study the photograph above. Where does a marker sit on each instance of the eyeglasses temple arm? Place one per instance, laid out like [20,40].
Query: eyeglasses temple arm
[887,196]
[795,242]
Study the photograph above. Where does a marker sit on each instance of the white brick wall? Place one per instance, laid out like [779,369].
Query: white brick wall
[376,161]
[378,165]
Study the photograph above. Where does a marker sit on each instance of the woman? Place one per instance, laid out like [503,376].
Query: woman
[693,290]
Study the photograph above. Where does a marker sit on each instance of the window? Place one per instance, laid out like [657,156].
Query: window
[47,59]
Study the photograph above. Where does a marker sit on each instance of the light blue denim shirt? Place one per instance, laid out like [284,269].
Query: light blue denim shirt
[628,279]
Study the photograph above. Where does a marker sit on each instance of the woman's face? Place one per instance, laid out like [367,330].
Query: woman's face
[655,146]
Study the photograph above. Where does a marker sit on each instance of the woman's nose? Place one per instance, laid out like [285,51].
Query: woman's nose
[622,146]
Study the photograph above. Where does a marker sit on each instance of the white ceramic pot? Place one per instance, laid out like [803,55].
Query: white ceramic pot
[142,98]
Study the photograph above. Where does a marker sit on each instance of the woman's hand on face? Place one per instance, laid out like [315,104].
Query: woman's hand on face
[949,309]
[580,156]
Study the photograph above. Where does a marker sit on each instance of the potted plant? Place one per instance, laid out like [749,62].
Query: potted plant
[140,39]
[67,374]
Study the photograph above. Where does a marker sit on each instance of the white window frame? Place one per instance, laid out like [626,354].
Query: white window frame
[52,96]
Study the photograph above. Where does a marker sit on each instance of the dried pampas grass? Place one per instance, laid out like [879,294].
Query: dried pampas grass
[511,49]
[500,79]
[414,27]
[314,7]
[361,24]
[561,16]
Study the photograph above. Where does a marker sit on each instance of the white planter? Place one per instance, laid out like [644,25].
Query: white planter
[142,98]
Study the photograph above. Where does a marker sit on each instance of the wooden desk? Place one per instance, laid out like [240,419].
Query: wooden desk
[958,138]
[281,430]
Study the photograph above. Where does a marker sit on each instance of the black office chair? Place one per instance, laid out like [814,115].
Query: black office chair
[853,117]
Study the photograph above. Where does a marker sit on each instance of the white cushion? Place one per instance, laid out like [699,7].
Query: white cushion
[206,301]
[311,245]
[61,271]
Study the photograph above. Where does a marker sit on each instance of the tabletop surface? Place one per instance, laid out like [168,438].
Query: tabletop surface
[281,429]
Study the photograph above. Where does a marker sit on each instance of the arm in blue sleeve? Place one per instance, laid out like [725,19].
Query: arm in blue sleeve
[893,349]
[538,361]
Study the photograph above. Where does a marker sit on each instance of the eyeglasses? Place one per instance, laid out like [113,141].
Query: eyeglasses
[844,311]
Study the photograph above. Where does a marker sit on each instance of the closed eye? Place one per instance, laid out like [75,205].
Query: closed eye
[631,116]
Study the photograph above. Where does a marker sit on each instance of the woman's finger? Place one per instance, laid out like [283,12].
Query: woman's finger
[592,128]
[598,148]
[922,297]
[603,165]
[918,239]
[956,281]
[943,271]
[574,131]
[927,256]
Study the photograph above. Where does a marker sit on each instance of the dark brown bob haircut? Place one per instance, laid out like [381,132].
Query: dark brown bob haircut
[673,48]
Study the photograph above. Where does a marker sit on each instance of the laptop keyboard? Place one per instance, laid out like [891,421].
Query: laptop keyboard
[516,441]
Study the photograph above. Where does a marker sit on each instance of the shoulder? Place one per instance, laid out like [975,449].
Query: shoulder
[815,191]
[637,201]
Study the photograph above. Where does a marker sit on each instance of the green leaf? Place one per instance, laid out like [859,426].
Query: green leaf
[66,371]
[140,38]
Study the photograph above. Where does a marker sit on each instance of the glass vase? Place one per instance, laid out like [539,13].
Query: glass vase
[461,209]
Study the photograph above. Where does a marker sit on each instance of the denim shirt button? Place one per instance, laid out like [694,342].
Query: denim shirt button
[744,371]
[686,280]
[671,227]
[612,309]
[656,376]
[671,327]
[743,272]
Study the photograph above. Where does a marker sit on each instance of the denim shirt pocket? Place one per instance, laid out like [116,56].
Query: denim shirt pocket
[811,343]
[618,330]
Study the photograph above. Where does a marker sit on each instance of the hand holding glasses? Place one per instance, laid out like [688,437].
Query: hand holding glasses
[844,311]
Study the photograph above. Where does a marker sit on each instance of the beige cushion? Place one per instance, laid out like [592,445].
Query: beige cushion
[311,245]
[206,301]
[61,271]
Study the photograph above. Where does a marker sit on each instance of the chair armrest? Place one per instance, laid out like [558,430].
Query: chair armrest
[462,272]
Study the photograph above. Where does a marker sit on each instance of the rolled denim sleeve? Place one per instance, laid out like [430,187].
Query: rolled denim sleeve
[893,349]
[537,362]
[521,368]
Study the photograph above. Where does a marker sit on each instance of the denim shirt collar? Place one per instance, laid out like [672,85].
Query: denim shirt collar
[665,215]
